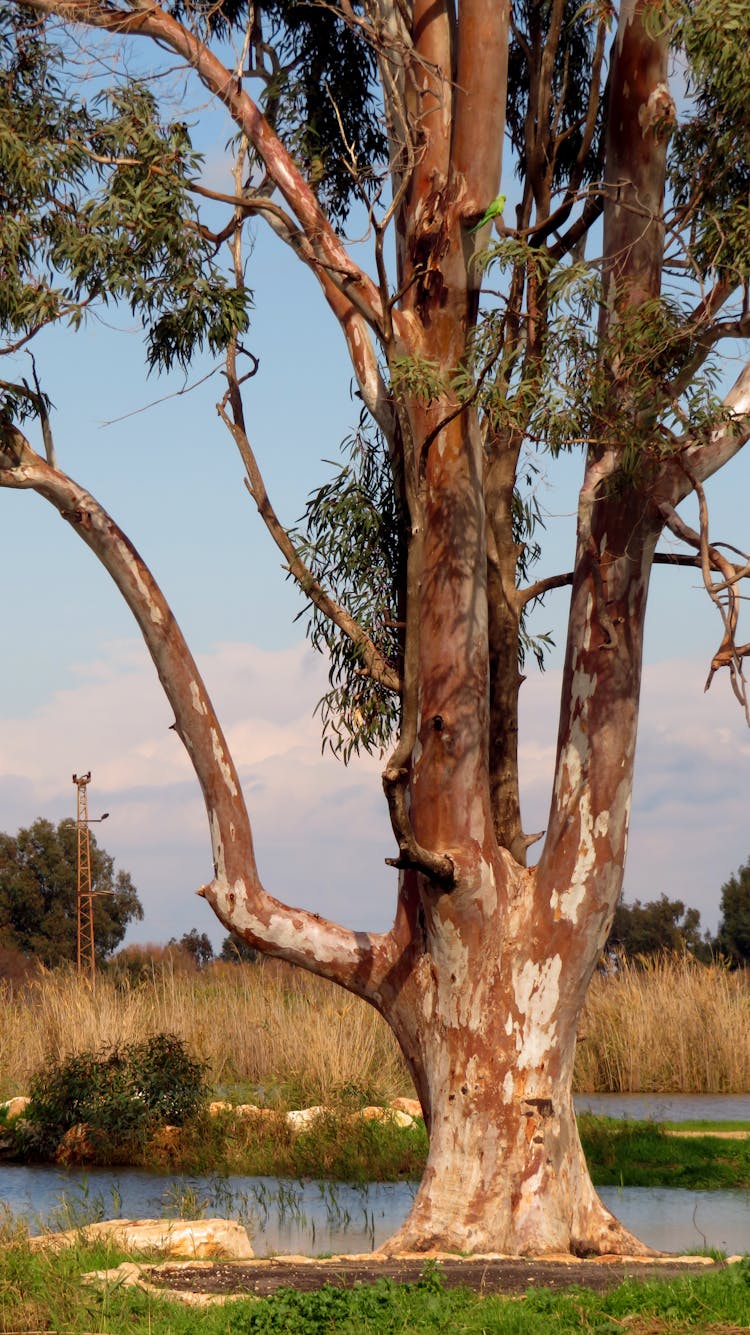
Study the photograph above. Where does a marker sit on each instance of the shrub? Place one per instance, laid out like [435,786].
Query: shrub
[121,1094]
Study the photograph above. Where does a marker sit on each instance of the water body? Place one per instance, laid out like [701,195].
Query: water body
[320,1217]
[668,1107]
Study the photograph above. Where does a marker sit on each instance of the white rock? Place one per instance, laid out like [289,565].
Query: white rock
[411,1106]
[393,1115]
[195,1238]
[299,1119]
[14,1107]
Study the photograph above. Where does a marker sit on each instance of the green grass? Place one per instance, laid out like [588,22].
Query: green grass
[696,1125]
[335,1146]
[640,1154]
[619,1153]
[343,1148]
[43,1292]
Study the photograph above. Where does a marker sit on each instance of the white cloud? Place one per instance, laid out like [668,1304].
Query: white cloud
[689,818]
[321,830]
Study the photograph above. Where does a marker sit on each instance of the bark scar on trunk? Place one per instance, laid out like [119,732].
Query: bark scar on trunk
[541,1107]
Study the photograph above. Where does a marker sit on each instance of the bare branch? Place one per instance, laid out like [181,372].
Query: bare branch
[703,459]
[565,579]
[357,960]
[543,586]
[729,654]
[375,665]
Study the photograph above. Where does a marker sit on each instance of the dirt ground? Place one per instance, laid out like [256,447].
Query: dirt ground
[484,1275]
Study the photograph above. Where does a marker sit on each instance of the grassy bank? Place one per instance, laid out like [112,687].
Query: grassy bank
[644,1154]
[619,1153]
[274,1034]
[344,1148]
[41,1292]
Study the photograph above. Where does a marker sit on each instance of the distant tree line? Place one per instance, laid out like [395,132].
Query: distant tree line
[664,924]
[38,914]
[198,946]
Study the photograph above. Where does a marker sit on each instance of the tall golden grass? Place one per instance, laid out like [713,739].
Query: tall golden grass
[671,1026]
[297,1036]
[666,1025]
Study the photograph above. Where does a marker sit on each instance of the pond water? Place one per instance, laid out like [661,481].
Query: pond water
[668,1107]
[320,1217]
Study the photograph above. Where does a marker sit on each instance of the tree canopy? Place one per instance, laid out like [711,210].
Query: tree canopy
[733,939]
[38,894]
[662,924]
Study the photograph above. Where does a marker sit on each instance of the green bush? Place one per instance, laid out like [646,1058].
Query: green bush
[122,1095]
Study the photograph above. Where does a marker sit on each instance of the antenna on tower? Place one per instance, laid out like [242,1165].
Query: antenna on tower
[85,897]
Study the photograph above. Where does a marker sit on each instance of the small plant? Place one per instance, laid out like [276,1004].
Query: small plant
[120,1096]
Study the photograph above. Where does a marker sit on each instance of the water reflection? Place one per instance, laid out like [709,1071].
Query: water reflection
[321,1217]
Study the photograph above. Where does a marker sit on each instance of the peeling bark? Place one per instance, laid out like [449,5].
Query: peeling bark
[488,1014]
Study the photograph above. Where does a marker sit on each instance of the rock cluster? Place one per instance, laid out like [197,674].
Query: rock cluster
[75,1146]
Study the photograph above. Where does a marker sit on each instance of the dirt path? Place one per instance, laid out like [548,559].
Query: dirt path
[484,1275]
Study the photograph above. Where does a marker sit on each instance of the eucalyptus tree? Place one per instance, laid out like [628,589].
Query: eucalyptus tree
[590,313]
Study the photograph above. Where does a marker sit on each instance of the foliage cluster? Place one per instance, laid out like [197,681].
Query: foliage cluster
[733,939]
[121,1096]
[351,529]
[663,924]
[667,925]
[710,151]
[38,894]
[96,199]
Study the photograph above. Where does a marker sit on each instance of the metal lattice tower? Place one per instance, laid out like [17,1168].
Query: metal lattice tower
[85,897]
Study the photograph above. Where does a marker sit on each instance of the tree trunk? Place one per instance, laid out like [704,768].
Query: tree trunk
[487,1001]
[488,1017]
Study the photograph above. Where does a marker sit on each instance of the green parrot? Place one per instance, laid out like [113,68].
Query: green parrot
[494,211]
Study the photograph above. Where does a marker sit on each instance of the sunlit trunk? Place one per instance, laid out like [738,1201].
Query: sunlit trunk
[489,1019]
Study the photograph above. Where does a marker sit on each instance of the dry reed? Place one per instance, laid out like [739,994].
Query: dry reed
[265,1024]
[666,1024]
[671,1026]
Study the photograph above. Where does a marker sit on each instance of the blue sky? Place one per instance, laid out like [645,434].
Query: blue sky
[77,690]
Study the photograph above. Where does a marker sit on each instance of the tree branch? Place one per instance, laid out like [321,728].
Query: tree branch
[152,22]
[703,459]
[356,960]
[480,97]
[375,665]
[562,581]
[729,654]
[542,586]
